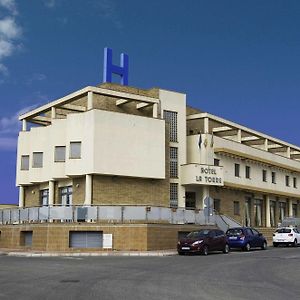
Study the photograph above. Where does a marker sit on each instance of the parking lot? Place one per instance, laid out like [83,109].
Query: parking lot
[271,274]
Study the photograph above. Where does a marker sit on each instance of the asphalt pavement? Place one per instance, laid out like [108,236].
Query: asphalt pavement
[271,274]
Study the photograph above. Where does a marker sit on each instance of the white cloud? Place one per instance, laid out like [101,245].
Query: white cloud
[50,3]
[10,32]
[108,11]
[9,29]
[10,5]
[35,77]
[3,70]
[9,128]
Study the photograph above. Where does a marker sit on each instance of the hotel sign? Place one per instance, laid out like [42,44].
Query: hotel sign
[202,175]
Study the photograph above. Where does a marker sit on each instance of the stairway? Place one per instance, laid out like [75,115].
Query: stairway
[268,233]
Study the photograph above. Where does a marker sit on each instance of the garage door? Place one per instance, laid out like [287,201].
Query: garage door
[86,239]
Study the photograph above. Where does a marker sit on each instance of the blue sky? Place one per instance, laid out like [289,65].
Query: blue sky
[237,59]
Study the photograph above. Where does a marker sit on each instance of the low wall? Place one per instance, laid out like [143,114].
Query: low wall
[54,237]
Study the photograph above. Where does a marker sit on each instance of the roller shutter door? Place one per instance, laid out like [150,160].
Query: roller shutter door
[86,239]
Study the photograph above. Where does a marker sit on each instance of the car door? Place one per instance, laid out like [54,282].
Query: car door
[257,238]
[250,237]
[212,240]
[297,234]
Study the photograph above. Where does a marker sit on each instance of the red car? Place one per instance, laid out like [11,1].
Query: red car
[203,241]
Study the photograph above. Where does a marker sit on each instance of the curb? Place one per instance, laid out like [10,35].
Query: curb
[91,254]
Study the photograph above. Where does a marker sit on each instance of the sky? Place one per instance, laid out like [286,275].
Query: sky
[239,60]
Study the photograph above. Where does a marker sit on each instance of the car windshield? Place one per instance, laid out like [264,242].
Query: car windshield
[283,230]
[235,232]
[198,234]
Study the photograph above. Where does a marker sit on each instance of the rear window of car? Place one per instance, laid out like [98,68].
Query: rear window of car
[197,234]
[283,230]
[234,232]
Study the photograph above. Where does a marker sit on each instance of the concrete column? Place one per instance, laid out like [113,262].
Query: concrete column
[288,152]
[88,190]
[53,112]
[51,192]
[268,215]
[206,125]
[239,135]
[205,193]
[266,148]
[21,196]
[155,110]
[90,101]
[290,207]
[24,125]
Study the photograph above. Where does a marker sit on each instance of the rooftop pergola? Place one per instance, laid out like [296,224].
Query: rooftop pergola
[71,103]
[208,123]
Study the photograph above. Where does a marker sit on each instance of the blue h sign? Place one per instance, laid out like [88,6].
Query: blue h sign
[109,68]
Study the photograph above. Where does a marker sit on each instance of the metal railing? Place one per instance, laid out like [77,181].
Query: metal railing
[110,214]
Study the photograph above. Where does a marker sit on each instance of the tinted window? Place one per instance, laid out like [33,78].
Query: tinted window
[219,233]
[234,232]
[197,234]
[248,232]
[255,232]
[283,230]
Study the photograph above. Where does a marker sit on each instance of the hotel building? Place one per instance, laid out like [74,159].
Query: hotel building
[119,146]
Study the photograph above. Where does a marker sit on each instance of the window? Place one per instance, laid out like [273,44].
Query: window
[66,195]
[216,162]
[25,162]
[264,175]
[287,180]
[173,195]
[282,210]
[247,172]
[294,209]
[44,197]
[295,182]
[236,170]
[171,119]
[258,212]
[173,162]
[273,177]
[236,207]
[60,154]
[37,160]
[75,150]
[217,205]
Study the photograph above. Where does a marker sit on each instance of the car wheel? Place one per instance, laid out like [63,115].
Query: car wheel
[275,244]
[205,250]
[226,249]
[247,247]
[264,245]
[295,243]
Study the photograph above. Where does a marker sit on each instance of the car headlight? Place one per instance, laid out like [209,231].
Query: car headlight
[197,243]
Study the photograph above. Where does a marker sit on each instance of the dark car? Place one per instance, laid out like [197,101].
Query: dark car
[245,238]
[203,241]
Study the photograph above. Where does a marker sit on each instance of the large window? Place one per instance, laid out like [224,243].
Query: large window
[25,162]
[258,212]
[287,180]
[75,150]
[66,195]
[37,160]
[60,154]
[282,210]
[44,197]
[171,119]
[173,195]
[273,213]
[236,170]
[173,162]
